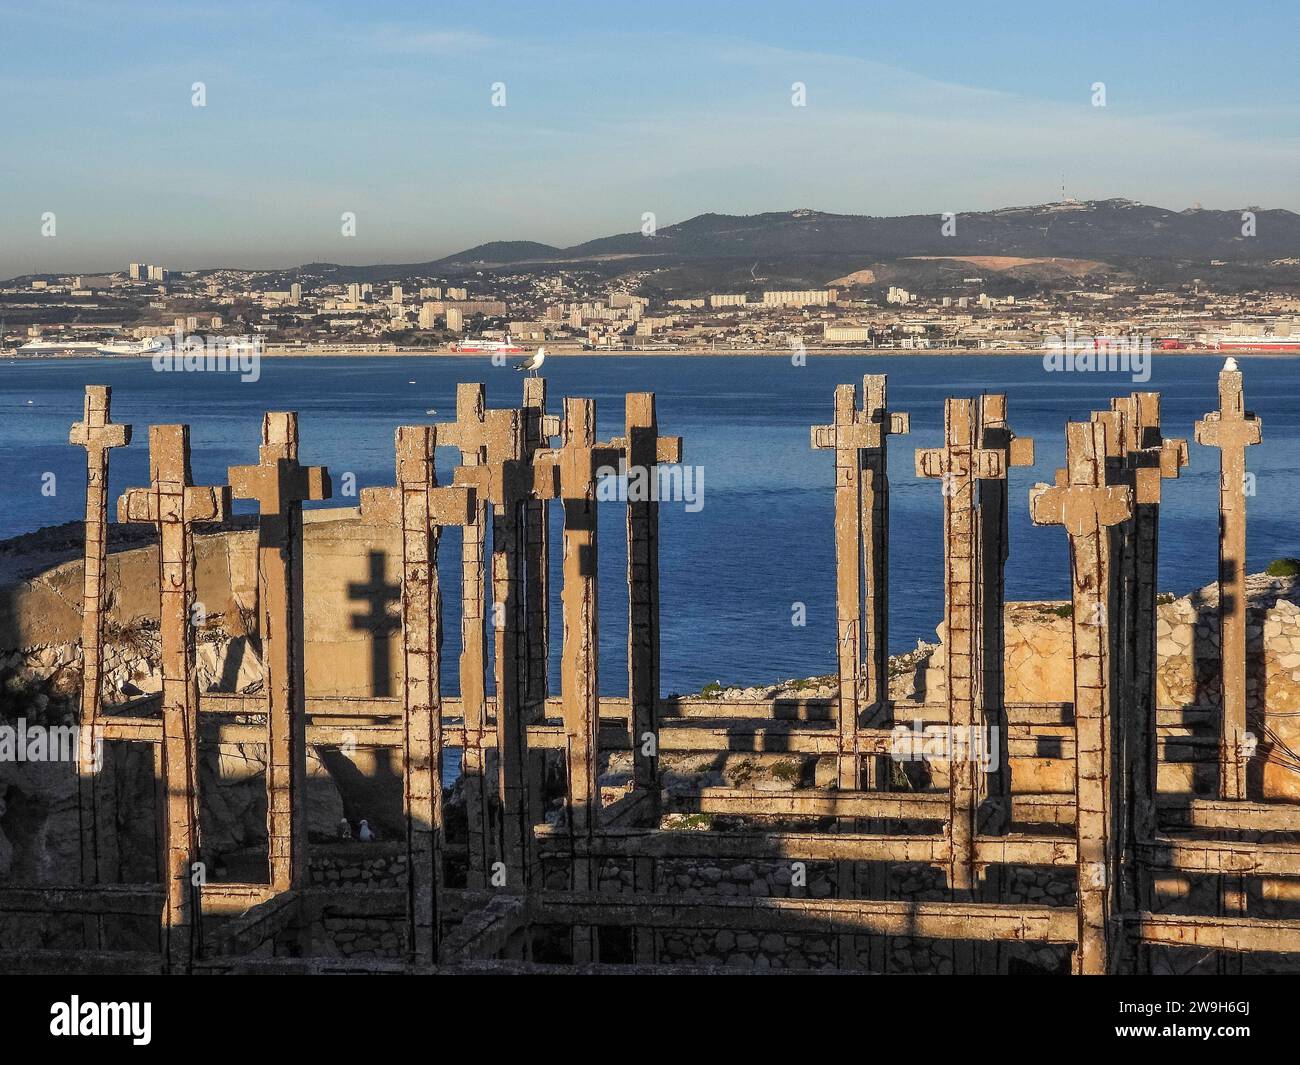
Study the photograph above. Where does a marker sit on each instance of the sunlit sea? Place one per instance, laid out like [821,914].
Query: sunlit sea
[732,569]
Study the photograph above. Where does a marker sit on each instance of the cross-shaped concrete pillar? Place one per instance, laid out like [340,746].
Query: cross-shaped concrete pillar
[995,433]
[645,449]
[1231,429]
[539,429]
[98,435]
[469,434]
[569,473]
[1089,508]
[175,506]
[1143,458]
[280,485]
[961,464]
[504,479]
[858,438]
[419,508]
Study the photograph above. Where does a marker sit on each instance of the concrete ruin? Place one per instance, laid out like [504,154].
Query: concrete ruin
[1130,813]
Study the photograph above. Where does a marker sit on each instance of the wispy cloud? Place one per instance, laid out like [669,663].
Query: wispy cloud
[409,41]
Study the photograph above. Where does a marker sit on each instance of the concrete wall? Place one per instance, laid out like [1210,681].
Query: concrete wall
[351,649]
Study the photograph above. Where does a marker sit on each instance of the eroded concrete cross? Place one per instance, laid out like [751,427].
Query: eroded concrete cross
[280,485]
[995,433]
[98,434]
[858,437]
[469,433]
[569,473]
[420,509]
[1232,429]
[175,505]
[503,479]
[960,466]
[1140,457]
[1088,508]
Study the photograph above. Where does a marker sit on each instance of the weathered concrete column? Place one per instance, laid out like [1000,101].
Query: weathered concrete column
[280,485]
[1088,508]
[420,509]
[1147,458]
[960,465]
[859,439]
[875,548]
[861,514]
[576,462]
[97,433]
[469,434]
[175,505]
[994,433]
[504,479]
[1231,429]
[539,428]
[645,450]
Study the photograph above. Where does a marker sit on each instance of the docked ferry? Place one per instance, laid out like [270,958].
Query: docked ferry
[488,347]
[1289,343]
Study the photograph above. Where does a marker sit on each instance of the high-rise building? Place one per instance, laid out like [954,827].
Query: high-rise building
[455,320]
[726,300]
[295,294]
[396,296]
[801,298]
[138,271]
[428,316]
[354,293]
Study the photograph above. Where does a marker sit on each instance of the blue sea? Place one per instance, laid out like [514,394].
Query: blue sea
[732,570]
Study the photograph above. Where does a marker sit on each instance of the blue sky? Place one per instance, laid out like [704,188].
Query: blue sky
[611,110]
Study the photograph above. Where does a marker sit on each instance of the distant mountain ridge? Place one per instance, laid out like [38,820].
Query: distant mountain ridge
[790,245]
[1104,230]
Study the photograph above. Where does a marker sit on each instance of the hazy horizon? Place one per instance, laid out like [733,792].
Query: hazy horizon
[311,111]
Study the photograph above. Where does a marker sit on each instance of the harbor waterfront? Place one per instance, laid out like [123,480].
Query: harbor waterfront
[761,504]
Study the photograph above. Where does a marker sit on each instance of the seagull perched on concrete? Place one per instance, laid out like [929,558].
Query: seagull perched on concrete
[363,832]
[345,829]
[1230,365]
[534,361]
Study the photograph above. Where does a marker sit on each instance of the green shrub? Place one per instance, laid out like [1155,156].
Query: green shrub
[787,771]
[1284,567]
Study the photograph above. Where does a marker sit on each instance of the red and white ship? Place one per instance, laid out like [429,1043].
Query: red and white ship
[1289,343]
[489,347]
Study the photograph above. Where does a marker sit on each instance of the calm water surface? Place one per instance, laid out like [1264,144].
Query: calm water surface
[763,539]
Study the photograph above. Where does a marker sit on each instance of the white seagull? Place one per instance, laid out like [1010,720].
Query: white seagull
[533,363]
[364,834]
[1230,365]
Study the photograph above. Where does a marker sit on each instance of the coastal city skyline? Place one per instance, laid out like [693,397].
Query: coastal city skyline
[238,137]
[676,489]
[1063,277]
